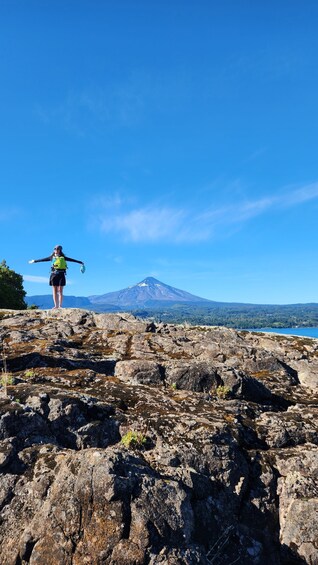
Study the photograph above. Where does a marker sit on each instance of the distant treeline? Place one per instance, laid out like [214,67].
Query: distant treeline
[241,316]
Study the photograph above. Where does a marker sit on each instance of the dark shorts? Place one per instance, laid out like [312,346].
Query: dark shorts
[57,279]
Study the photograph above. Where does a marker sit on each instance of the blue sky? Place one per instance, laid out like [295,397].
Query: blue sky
[173,138]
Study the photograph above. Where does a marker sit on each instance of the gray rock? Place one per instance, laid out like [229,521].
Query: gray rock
[129,442]
[191,375]
[139,371]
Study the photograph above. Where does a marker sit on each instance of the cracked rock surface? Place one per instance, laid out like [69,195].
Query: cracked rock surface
[126,442]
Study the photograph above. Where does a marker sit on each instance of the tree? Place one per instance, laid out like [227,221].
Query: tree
[12,292]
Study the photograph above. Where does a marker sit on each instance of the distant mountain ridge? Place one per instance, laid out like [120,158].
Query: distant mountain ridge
[145,293]
[148,292]
[153,298]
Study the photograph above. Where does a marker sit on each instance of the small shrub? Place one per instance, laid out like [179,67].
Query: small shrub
[223,392]
[6,377]
[134,440]
[29,373]
[174,386]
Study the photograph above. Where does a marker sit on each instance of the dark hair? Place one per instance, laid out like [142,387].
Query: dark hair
[61,252]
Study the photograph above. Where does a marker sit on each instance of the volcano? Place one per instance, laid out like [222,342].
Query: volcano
[148,292]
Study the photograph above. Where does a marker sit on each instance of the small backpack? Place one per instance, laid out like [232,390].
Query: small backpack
[59,263]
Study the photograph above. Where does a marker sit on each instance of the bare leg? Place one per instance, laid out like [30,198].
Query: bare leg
[60,288]
[55,296]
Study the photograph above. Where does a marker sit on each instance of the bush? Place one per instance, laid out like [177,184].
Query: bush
[134,440]
[6,378]
[12,292]
[223,392]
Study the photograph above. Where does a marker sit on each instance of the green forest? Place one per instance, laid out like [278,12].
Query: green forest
[241,316]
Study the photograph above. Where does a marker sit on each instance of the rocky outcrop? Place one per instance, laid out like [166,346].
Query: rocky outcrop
[128,442]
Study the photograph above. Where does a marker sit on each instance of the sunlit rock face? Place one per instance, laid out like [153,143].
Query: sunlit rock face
[128,442]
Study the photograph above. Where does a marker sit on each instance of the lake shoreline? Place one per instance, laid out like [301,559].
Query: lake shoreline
[311,332]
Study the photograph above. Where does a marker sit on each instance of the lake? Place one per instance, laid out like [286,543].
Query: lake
[305,332]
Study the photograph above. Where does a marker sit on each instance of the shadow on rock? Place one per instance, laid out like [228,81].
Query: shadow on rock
[34,360]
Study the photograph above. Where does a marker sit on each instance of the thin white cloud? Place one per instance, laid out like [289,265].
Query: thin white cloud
[265,66]
[145,224]
[156,223]
[255,155]
[115,258]
[237,213]
[300,195]
[119,103]
[35,279]
[108,201]
[82,111]
[241,212]
[253,208]
[41,280]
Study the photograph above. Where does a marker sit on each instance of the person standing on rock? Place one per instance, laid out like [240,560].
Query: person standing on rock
[58,271]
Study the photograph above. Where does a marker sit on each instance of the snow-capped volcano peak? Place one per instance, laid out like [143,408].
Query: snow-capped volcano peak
[146,292]
[150,281]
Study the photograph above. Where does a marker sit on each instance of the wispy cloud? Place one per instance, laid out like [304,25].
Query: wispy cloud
[243,211]
[118,102]
[255,155]
[159,223]
[300,195]
[145,224]
[121,104]
[41,280]
[253,208]
[266,65]
[35,279]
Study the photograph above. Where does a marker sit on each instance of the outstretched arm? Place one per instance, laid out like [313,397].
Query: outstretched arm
[74,260]
[40,260]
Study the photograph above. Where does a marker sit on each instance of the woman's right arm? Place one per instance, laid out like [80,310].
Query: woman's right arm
[40,260]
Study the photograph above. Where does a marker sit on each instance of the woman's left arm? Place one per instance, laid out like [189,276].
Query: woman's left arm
[73,260]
